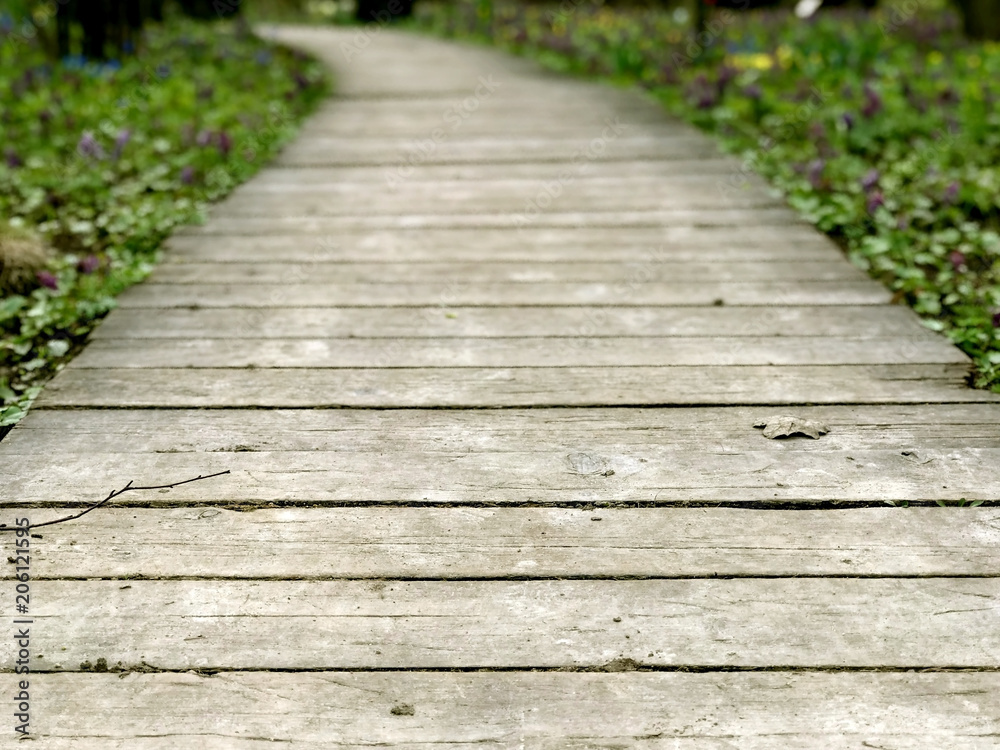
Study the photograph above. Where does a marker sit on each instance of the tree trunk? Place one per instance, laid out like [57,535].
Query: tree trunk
[982,18]
[93,19]
[699,18]
[65,14]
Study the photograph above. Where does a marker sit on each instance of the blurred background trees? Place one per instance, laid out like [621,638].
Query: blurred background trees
[103,29]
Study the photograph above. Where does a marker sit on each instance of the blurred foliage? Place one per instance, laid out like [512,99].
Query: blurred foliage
[104,160]
[882,128]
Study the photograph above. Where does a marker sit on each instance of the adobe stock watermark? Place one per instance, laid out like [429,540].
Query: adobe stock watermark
[551,190]
[451,121]
[898,15]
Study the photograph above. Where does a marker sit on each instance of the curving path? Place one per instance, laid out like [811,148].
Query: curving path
[483,351]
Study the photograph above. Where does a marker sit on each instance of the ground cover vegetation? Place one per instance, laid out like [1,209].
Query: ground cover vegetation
[100,158]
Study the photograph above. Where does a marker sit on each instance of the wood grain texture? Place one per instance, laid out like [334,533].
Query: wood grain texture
[633,274]
[548,711]
[409,543]
[296,293]
[449,320]
[561,191]
[541,244]
[493,352]
[472,387]
[330,225]
[940,428]
[576,475]
[344,624]
[600,145]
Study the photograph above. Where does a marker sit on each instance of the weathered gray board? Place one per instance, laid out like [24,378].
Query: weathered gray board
[547,711]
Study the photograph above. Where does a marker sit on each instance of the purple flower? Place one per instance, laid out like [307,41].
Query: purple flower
[848,120]
[873,102]
[89,147]
[815,172]
[726,74]
[951,193]
[47,279]
[753,91]
[89,264]
[706,100]
[203,138]
[13,160]
[996,319]
[875,200]
[870,180]
[187,175]
[225,143]
[121,141]
[957,259]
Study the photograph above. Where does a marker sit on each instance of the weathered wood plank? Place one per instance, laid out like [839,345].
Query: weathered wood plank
[529,352]
[936,430]
[525,386]
[459,293]
[562,191]
[547,711]
[345,624]
[674,169]
[528,542]
[695,218]
[435,248]
[500,149]
[534,245]
[569,475]
[479,322]
[632,274]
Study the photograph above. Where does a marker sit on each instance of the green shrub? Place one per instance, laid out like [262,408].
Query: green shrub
[103,161]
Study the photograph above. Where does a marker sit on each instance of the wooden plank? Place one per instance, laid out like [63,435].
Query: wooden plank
[568,475]
[494,117]
[529,352]
[601,145]
[488,181]
[494,246]
[525,386]
[937,431]
[547,711]
[470,272]
[674,169]
[459,293]
[651,237]
[282,250]
[346,624]
[410,543]
[523,200]
[501,322]
[331,225]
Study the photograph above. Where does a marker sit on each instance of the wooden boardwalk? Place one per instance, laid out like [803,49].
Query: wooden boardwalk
[483,352]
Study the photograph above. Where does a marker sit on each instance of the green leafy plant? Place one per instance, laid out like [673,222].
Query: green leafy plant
[101,162]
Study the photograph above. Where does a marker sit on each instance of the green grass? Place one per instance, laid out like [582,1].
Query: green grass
[883,129]
[102,162]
